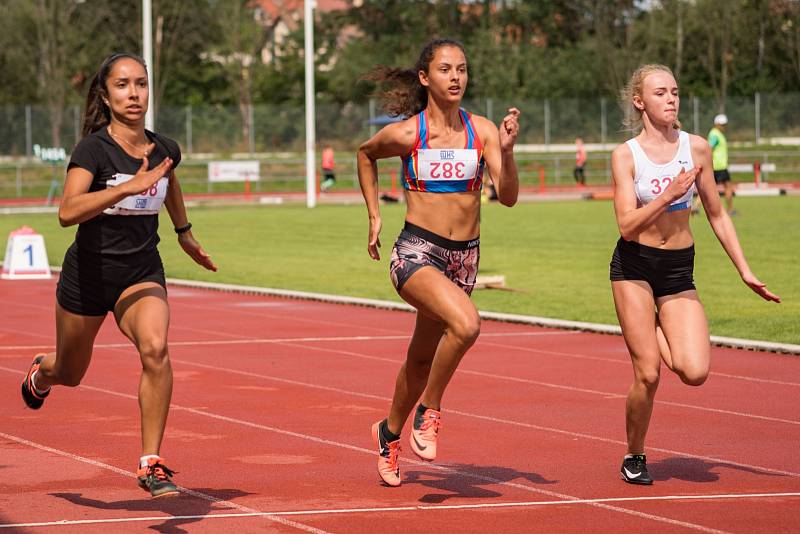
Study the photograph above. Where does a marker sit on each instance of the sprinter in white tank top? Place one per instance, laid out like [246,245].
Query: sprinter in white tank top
[653,178]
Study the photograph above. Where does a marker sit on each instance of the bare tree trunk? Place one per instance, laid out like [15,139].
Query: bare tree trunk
[762,28]
[51,16]
[726,56]
[679,38]
[245,101]
[157,91]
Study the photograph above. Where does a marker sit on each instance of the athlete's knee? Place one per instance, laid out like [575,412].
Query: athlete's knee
[153,351]
[648,378]
[467,329]
[693,376]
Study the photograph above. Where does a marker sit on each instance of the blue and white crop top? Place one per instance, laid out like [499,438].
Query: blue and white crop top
[651,179]
[444,170]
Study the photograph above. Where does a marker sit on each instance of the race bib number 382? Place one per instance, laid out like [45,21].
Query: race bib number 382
[443,164]
[145,203]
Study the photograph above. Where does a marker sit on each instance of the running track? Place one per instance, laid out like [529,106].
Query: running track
[273,402]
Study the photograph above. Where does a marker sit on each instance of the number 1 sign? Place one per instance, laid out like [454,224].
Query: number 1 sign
[26,256]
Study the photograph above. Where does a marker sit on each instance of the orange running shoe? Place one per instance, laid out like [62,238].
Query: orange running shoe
[424,433]
[156,478]
[388,453]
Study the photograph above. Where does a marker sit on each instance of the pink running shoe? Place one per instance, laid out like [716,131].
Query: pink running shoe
[388,453]
[424,433]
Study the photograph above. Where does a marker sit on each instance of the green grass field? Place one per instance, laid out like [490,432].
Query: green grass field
[554,255]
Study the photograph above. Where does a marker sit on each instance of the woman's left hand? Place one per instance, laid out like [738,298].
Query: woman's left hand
[190,245]
[509,129]
[759,288]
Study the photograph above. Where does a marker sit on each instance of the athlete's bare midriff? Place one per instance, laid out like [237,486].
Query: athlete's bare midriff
[670,231]
[454,216]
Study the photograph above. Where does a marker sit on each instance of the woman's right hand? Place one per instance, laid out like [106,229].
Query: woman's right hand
[144,179]
[681,184]
[374,242]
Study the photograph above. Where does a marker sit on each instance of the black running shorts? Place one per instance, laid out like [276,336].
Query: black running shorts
[91,283]
[667,271]
[722,176]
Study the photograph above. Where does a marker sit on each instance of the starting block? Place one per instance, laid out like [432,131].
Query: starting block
[26,256]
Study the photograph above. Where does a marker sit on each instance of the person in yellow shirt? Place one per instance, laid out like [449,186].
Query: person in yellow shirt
[719,158]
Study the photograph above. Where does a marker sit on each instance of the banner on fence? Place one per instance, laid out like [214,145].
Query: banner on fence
[234,171]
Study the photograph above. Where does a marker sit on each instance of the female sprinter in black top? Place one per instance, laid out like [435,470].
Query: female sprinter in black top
[434,262]
[118,177]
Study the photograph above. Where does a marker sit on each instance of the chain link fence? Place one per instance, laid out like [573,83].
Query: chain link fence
[764,118]
[275,135]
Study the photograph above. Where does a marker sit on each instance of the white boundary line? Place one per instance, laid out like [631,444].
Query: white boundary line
[245,341]
[561,324]
[492,419]
[380,510]
[187,491]
[478,416]
[495,316]
[255,341]
[347,446]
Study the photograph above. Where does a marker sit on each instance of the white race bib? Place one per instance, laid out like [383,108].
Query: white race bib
[145,203]
[445,164]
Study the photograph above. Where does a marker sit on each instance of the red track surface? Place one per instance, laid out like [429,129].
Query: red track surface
[274,399]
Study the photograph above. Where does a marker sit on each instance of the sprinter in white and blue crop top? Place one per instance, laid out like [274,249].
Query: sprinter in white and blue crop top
[652,267]
[434,263]
[652,179]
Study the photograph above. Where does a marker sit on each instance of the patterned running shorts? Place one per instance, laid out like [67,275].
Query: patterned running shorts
[416,248]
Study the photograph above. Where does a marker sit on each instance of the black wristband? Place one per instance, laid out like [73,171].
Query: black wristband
[183,229]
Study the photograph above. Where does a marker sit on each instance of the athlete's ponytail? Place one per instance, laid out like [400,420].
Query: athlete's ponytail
[399,89]
[97,113]
[632,115]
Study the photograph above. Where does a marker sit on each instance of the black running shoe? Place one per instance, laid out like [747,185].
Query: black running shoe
[33,399]
[156,478]
[634,470]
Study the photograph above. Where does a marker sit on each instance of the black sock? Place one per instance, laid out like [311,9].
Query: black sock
[386,434]
[421,410]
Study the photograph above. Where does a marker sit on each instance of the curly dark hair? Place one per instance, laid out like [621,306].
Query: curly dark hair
[399,89]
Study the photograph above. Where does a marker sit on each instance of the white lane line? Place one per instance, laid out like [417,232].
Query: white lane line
[453,411]
[259,341]
[487,418]
[627,362]
[187,491]
[340,445]
[604,394]
[607,394]
[414,508]
[243,340]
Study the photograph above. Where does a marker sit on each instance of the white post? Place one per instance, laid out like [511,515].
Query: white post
[147,55]
[189,140]
[547,123]
[758,118]
[28,132]
[603,120]
[311,164]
